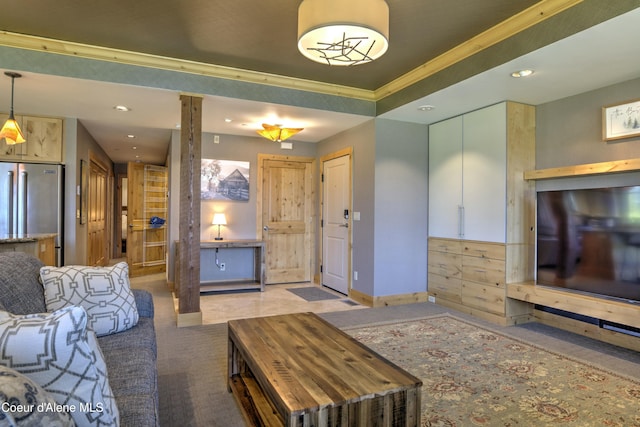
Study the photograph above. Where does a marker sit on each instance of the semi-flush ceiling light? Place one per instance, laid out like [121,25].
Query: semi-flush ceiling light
[339,32]
[277,133]
[11,131]
[521,73]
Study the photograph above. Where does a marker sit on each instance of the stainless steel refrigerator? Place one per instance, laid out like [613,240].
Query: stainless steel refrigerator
[32,201]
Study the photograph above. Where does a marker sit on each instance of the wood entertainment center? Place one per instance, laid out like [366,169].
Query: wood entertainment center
[600,308]
[482,255]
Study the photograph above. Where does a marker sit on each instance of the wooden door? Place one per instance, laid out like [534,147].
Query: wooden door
[146,198]
[97,241]
[286,218]
[336,220]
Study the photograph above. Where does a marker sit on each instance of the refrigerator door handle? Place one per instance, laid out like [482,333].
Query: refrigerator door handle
[10,201]
[22,204]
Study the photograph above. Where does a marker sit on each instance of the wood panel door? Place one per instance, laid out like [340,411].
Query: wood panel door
[286,219]
[146,198]
[97,242]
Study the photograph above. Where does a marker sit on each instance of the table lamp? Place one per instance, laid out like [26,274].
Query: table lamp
[219,219]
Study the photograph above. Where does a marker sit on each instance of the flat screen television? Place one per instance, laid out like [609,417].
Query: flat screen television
[588,240]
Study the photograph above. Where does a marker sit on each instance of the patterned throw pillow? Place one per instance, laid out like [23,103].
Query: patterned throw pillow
[57,352]
[104,292]
[26,404]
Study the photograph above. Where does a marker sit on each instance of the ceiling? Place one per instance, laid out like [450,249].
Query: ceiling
[261,36]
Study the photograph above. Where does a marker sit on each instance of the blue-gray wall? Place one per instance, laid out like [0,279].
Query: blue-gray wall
[569,132]
[401,201]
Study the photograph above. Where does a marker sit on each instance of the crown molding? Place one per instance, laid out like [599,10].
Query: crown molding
[530,17]
[79,50]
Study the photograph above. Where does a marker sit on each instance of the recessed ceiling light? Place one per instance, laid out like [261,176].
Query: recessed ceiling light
[134,147]
[131,136]
[228,120]
[521,73]
[426,107]
[121,108]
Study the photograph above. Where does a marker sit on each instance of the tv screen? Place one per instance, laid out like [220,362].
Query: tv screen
[588,240]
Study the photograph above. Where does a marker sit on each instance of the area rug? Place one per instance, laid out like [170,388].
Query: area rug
[473,376]
[312,293]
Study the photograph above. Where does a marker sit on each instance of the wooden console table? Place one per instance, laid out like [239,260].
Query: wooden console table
[298,370]
[255,282]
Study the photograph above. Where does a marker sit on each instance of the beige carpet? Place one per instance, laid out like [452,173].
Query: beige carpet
[192,362]
[476,376]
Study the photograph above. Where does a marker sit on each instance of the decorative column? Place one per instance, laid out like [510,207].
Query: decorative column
[189,256]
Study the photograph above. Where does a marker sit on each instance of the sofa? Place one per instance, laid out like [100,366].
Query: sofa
[129,355]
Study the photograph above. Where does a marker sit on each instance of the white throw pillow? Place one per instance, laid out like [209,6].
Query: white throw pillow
[104,292]
[58,352]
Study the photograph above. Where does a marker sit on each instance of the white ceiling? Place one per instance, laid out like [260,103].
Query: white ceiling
[600,56]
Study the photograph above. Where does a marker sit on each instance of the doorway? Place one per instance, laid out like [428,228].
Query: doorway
[336,221]
[97,218]
[121,222]
[147,207]
[286,217]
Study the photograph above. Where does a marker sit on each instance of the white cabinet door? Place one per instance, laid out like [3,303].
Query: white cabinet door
[484,173]
[445,178]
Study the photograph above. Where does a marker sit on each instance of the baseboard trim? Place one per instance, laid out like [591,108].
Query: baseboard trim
[387,300]
[189,319]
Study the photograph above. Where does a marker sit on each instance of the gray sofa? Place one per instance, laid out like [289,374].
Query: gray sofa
[130,355]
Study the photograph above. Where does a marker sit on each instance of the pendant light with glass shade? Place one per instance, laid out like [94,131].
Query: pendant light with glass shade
[11,130]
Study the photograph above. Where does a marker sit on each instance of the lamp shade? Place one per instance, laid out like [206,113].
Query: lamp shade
[11,132]
[277,133]
[219,219]
[339,32]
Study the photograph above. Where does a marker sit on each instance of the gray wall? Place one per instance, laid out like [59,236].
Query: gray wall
[241,216]
[78,143]
[362,140]
[569,132]
[401,202]
[390,185]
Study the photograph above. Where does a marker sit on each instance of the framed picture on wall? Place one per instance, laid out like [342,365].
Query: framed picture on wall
[621,121]
[224,180]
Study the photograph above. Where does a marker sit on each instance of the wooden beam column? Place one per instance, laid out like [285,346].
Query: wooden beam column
[189,256]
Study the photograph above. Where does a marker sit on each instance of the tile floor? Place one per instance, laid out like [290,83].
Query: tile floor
[224,306]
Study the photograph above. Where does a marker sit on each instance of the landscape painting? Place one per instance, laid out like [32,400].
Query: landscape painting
[224,180]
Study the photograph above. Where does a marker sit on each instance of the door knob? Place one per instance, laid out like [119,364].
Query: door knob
[265,228]
[345,225]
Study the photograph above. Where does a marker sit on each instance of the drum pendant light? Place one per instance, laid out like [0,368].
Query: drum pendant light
[339,32]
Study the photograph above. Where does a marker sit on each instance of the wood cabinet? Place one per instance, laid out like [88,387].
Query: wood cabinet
[467,157]
[44,140]
[491,240]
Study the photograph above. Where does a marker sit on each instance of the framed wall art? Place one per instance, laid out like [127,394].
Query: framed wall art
[621,121]
[224,180]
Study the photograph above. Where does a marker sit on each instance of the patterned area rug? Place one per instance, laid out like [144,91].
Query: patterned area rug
[473,376]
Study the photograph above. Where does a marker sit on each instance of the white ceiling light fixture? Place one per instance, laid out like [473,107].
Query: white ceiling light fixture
[339,32]
[521,73]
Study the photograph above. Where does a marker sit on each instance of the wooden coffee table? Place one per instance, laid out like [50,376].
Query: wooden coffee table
[299,370]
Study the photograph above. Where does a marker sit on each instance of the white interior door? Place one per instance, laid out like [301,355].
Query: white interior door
[336,216]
